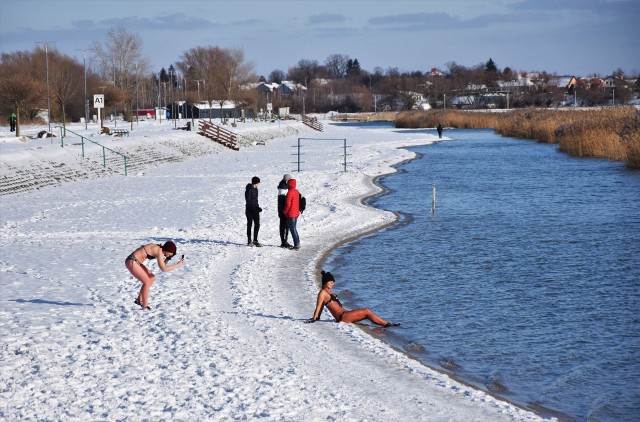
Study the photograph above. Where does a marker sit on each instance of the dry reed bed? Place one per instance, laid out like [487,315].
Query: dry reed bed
[612,133]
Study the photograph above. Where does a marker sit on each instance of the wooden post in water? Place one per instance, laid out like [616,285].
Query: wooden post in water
[433,198]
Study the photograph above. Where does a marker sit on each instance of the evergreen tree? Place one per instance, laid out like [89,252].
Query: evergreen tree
[490,66]
[353,68]
[164,76]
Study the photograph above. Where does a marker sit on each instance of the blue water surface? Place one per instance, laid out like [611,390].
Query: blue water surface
[525,281]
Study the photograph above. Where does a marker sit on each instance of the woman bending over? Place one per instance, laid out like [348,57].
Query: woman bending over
[135,264]
[329,299]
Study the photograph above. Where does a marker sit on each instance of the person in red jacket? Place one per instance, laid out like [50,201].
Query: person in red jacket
[292,211]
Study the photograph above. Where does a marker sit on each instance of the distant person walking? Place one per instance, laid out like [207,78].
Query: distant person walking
[12,122]
[283,188]
[292,211]
[439,128]
[135,264]
[252,210]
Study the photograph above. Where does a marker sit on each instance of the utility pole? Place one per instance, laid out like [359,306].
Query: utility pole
[86,100]
[46,55]
[137,103]
[204,84]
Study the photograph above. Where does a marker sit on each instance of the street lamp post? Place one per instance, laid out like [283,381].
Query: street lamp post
[115,111]
[172,96]
[46,55]
[86,101]
[159,97]
[164,84]
[204,84]
[137,103]
[614,96]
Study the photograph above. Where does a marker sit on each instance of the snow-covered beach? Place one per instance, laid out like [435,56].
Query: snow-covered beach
[225,339]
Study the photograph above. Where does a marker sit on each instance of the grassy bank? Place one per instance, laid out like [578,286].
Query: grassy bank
[612,133]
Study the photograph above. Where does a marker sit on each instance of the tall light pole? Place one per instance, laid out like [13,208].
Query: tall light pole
[184,97]
[46,55]
[204,84]
[137,104]
[172,95]
[86,101]
[159,96]
[165,97]
[115,111]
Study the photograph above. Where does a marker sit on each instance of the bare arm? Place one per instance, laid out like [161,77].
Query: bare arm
[319,304]
[162,263]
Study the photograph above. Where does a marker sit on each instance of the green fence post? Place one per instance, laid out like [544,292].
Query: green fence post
[61,137]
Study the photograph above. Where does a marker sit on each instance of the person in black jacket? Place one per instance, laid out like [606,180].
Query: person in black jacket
[252,211]
[282,196]
[12,121]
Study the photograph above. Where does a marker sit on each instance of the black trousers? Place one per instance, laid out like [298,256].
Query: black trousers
[284,229]
[253,219]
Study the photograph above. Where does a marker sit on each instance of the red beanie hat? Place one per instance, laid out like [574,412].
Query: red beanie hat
[170,247]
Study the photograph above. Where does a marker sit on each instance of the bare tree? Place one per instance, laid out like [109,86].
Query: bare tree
[65,76]
[22,92]
[232,71]
[305,71]
[277,76]
[121,61]
[337,65]
[223,71]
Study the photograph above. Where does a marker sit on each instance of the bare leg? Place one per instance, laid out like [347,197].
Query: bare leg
[146,278]
[360,314]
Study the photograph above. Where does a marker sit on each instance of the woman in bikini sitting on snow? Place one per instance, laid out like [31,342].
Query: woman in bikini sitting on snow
[329,299]
[134,263]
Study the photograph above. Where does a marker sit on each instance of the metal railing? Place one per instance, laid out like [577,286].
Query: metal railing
[63,131]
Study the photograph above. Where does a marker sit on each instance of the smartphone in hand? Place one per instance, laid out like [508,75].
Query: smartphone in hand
[182,257]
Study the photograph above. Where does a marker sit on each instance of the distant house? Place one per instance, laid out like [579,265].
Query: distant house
[321,81]
[463,101]
[264,87]
[609,82]
[288,88]
[523,81]
[562,82]
[148,113]
[214,110]
[420,102]
[434,72]
[476,88]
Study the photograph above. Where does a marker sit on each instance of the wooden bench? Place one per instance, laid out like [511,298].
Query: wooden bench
[119,132]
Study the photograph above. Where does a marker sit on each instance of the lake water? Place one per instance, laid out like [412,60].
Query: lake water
[525,281]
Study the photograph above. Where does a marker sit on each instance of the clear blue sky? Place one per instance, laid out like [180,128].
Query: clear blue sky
[577,37]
